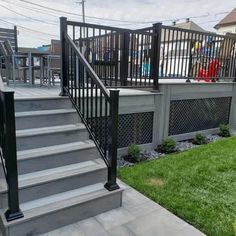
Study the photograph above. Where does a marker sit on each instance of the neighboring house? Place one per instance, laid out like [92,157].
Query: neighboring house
[227,24]
[190,25]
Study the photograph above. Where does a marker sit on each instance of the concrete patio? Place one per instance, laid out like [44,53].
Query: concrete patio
[139,216]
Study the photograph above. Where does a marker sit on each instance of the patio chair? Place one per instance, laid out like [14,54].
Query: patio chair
[53,63]
[14,63]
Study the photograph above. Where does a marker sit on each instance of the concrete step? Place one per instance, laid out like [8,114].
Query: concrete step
[48,136]
[55,156]
[49,213]
[36,104]
[52,181]
[45,118]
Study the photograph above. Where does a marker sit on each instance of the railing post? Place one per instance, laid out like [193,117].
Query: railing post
[113,129]
[13,212]
[155,57]
[124,60]
[64,74]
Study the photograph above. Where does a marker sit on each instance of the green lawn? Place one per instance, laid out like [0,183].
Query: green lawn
[198,185]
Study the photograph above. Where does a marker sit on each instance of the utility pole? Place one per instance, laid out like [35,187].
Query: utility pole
[83,14]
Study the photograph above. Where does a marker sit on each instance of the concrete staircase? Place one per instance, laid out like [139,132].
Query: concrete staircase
[61,177]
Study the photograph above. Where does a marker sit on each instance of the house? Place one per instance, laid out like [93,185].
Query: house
[190,25]
[227,24]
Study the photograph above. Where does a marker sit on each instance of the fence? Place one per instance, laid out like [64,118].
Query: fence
[196,55]
[8,152]
[139,58]
[120,57]
[92,101]
[11,35]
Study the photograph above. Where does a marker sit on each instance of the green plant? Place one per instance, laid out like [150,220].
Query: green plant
[224,130]
[200,139]
[134,152]
[185,182]
[168,145]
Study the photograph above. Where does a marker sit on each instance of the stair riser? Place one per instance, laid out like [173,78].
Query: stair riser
[67,216]
[58,186]
[53,161]
[42,104]
[46,140]
[39,121]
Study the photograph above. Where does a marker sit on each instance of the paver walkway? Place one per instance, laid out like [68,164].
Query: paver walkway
[138,216]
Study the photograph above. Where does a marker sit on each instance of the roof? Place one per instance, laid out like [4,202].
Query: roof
[26,50]
[190,25]
[230,19]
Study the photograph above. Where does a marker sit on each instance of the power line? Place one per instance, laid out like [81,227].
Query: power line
[96,18]
[26,28]
[70,13]
[31,18]
[170,20]
[99,18]
[31,8]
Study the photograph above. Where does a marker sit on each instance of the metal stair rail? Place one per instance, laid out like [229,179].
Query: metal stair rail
[8,152]
[120,57]
[96,106]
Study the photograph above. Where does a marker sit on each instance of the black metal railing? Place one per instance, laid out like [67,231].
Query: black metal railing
[8,153]
[120,57]
[196,55]
[95,105]
[139,58]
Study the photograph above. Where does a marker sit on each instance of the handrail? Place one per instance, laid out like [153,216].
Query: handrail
[119,30]
[175,28]
[8,154]
[96,106]
[85,63]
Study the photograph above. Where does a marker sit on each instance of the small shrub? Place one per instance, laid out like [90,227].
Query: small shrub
[168,145]
[200,139]
[224,131]
[134,152]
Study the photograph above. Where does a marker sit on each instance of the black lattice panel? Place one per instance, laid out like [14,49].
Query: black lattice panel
[133,128]
[198,114]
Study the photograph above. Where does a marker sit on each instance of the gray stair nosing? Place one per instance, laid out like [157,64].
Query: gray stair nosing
[58,207]
[39,132]
[37,113]
[41,98]
[22,157]
[96,168]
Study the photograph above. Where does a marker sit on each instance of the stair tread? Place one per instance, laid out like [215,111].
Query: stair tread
[60,201]
[55,149]
[44,112]
[30,98]
[53,174]
[60,196]
[48,130]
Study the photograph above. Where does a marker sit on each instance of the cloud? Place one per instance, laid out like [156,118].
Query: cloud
[129,10]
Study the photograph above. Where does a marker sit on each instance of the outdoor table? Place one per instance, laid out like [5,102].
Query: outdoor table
[45,62]
[31,55]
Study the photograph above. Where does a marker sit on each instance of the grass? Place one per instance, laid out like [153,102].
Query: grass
[198,185]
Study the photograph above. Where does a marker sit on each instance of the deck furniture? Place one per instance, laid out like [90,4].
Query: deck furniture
[52,64]
[15,63]
[11,35]
[23,61]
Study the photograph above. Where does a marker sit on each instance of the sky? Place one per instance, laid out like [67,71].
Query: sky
[37,26]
